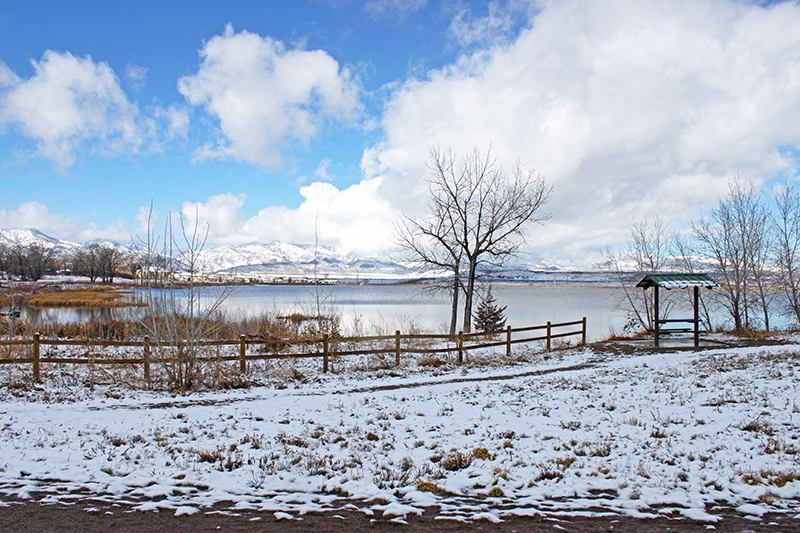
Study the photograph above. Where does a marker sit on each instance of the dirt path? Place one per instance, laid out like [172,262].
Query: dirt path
[191,402]
[92,516]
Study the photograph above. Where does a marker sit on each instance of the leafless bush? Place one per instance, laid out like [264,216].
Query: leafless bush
[456,461]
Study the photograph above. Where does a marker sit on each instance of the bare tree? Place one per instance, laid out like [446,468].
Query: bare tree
[477,214]
[647,251]
[179,318]
[761,236]
[786,221]
[431,242]
[30,262]
[85,262]
[735,238]
[5,260]
[111,259]
[686,261]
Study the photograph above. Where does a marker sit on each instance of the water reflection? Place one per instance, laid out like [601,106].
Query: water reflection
[51,315]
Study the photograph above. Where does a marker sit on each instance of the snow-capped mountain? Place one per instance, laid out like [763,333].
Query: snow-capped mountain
[30,236]
[283,260]
[256,254]
[280,259]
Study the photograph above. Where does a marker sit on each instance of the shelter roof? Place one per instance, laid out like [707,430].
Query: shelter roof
[677,281]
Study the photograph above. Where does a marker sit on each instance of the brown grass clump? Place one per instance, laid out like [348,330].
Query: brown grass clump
[433,362]
[456,461]
[427,486]
[752,334]
[264,328]
[482,453]
[13,328]
[81,298]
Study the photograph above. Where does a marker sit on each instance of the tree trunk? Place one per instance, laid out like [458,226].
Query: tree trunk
[468,296]
[454,312]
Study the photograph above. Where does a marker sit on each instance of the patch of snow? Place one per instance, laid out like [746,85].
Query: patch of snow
[568,435]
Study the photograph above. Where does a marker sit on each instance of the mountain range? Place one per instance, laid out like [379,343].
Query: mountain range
[278,260]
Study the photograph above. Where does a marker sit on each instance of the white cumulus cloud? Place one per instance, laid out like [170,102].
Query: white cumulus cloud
[357,219]
[630,107]
[69,100]
[264,94]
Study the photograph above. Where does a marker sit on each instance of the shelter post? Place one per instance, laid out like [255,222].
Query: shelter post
[656,324]
[696,316]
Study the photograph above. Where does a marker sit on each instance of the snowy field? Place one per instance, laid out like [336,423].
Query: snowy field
[577,432]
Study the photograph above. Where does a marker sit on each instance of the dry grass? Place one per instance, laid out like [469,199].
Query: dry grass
[106,330]
[770,477]
[81,298]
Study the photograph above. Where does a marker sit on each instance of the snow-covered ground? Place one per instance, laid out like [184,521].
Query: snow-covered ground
[577,432]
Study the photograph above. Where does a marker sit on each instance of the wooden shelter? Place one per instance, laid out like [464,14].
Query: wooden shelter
[677,281]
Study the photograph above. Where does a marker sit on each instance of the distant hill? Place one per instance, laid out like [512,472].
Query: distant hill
[284,260]
[30,236]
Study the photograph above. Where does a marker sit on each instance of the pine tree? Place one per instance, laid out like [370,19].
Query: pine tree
[489,317]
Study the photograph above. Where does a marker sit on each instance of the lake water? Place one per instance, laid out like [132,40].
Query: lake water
[386,308]
[382,309]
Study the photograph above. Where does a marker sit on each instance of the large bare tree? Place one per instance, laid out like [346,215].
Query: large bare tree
[477,214]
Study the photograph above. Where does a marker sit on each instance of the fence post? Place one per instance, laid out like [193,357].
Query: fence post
[508,341]
[146,356]
[460,347]
[397,348]
[324,352]
[243,354]
[548,336]
[583,332]
[35,350]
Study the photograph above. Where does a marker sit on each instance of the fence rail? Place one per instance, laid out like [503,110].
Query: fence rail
[325,347]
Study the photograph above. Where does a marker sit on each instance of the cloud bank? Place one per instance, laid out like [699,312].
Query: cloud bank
[630,107]
[357,219]
[38,216]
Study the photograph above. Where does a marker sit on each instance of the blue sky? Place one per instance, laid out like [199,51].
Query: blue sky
[162,40]
[271,119]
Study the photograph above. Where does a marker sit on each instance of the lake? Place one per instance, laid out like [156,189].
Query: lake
[386,308]
[382,309]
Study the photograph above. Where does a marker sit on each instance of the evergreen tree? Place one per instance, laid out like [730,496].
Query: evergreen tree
[489,317]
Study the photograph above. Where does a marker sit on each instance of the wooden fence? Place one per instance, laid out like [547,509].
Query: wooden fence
[324,348]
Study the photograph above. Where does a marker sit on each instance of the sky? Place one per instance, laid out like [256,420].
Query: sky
[298,121]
